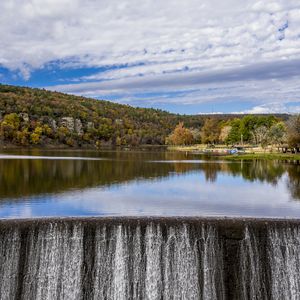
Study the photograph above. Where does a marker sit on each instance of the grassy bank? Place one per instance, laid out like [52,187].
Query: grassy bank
[192,148]
[250,153]
[268,156]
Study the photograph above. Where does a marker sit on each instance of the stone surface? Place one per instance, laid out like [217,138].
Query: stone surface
[68,122]
[53,124]
[90,125]
[78,126]
[24,117]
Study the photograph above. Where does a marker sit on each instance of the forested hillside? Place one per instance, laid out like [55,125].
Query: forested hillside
[39,117]
[33,116]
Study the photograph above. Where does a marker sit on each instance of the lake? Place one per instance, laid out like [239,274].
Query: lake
[139,183]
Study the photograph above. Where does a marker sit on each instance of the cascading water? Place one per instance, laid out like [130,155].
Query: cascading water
[270,262]
[284,253]
[149,259]
[10,247]
[155,262]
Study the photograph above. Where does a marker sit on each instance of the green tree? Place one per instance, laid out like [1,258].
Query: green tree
[234,135]
[277,134]
[247,125]
[251,123]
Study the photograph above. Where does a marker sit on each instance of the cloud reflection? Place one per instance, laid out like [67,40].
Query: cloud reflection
[178,195]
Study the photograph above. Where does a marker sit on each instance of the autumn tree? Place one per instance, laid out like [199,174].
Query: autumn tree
[10,126]
[224,133]
[22,110]
[35,137]
[180,136]
[23,137]
[210,131]
[62,134]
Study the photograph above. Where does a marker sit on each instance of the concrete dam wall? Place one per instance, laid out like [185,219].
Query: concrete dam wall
[149,258]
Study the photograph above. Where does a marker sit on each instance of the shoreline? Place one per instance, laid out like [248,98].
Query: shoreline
[218,151]
[66,148]
[249,154]
[265,156]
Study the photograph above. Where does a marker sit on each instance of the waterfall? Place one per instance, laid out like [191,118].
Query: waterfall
[270,263]
[10,247]
[149,259]
[251,264]
[284,253]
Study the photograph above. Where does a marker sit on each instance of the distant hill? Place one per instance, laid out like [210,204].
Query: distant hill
[40,117]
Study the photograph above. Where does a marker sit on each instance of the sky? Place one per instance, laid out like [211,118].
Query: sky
[192,57]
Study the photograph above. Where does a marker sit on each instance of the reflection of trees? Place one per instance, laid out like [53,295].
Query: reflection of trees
[294,180]
[261,170]
[264,171]
[21,178]
[211,171]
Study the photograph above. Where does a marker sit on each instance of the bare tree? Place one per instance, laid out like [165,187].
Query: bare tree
[293,132]
[261,135]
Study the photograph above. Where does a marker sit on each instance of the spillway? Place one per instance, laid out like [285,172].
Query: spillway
[149,258]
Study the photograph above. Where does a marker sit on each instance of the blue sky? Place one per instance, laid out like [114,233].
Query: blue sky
[182,56]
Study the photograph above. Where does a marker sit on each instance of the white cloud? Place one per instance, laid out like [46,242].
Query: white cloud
[272,82]
[272,108]
[97,33]
[164,46]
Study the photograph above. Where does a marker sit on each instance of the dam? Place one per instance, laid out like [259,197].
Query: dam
[149,258]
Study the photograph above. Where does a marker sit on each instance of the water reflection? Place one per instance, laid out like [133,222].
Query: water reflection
[294,180]
[24,177]
[159,183]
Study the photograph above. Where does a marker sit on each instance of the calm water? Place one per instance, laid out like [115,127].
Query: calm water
[87,183]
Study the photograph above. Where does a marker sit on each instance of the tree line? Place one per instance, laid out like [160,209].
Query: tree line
[250,129]
[37,117]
